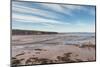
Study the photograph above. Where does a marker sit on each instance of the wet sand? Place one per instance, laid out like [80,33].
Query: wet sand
[57,48]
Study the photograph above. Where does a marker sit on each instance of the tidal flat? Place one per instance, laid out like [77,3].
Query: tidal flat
[53,48]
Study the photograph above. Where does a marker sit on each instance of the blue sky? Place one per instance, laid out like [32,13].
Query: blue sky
[53,17]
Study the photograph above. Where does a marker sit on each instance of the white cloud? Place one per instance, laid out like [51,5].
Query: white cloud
[20,13]
[34,19]
[55,7]
[23,9]
[58,8]
[18,7]
[73,7]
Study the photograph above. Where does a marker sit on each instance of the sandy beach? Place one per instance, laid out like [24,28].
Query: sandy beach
[55,48]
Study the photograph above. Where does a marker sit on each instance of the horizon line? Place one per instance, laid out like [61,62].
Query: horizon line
[53,31]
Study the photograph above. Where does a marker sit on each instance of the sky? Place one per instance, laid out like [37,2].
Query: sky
[53,17]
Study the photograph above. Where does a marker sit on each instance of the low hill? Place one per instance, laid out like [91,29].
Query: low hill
[30,32]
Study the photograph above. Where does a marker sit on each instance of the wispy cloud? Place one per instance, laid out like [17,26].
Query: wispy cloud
[51,16]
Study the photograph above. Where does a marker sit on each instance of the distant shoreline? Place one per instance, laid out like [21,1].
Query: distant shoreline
[29,32]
